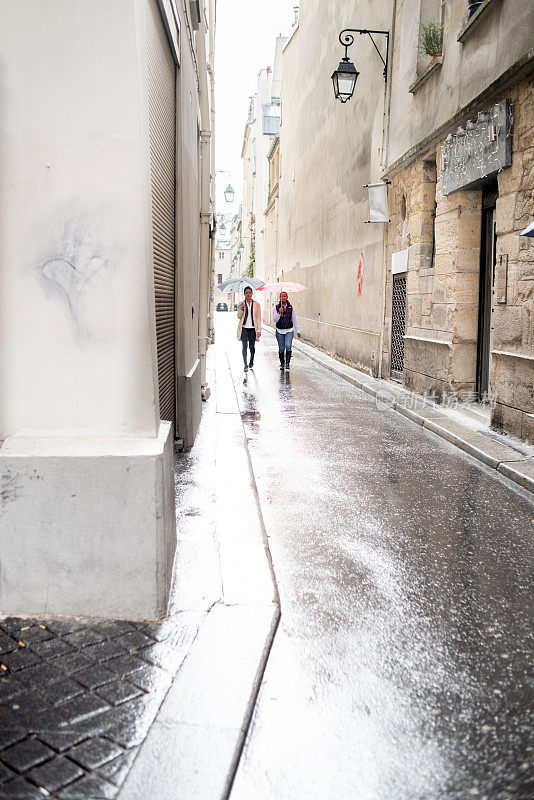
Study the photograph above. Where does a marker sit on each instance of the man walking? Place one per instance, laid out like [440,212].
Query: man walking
[286,325]
[249,325]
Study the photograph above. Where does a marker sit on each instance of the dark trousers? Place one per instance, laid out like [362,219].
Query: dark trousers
[248,336]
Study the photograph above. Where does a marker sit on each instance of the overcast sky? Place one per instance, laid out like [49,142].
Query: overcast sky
[245,36]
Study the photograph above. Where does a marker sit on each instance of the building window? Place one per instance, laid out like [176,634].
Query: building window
[219,277]
[221,254]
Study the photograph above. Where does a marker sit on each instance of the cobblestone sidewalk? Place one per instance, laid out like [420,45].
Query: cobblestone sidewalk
[77,699]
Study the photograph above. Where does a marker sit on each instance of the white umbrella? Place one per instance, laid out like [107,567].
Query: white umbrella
[239,284]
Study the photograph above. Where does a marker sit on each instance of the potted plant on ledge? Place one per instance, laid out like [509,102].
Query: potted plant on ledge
[473,6]
[431,40]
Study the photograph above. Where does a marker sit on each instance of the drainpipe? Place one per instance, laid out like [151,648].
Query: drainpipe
[384,155]
[211,64]
[205,209]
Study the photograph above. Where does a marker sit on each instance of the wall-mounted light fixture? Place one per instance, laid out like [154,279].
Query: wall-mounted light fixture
[345,76]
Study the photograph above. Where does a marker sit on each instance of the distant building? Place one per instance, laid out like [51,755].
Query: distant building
[262,127]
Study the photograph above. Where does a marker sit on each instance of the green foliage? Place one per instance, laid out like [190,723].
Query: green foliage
[249,272]
[430,38]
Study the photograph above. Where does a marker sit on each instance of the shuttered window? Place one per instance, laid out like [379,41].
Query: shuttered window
[162,126]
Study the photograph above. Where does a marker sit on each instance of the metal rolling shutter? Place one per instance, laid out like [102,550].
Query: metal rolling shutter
[162,126]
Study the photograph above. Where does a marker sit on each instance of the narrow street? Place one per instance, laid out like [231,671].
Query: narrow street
[401,662]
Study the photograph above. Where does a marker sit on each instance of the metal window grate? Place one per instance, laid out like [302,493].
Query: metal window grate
[398,322]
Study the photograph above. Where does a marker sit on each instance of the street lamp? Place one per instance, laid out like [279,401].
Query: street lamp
[344,79]
[345,76]
[229,194]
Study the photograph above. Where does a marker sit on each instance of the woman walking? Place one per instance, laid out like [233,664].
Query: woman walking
[285,320]
[248,326]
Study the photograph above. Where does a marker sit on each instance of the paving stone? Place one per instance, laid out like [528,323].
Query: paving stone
[159,631]
[84,638]
[61,740]
[151,679]
[114,627]
[84,696]
[130,723]
[104,650]
[117,692]
[5,774]
[27,701]
[61,691]
[117,770]
[44,720]
[94,753]
[14,624]
[124,665]
[51,648]
[91,787]
[19,659]
[7,643]
[63,626]
[41,674]
[134,640]
[97,725]
[7,718]
[11,736]
[19,789]
[9,687]
[95,676]
[161,655]
[26,754]
[55,774]
[35,634]
[80,708]
[73,662]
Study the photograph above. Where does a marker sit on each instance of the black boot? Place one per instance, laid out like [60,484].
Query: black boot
[281,357]
[288,359]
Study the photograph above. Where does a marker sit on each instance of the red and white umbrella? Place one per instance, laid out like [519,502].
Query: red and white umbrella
[284,286]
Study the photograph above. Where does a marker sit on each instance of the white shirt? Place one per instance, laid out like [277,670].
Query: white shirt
[248,323]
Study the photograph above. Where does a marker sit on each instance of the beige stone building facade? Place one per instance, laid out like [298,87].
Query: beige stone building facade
[441,297]
[458,319]
[328,152]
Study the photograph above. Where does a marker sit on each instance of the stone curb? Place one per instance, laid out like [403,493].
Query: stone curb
[499,456]
[194,745]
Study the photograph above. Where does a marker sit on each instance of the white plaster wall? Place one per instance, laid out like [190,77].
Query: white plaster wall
[76,286]
[87,527]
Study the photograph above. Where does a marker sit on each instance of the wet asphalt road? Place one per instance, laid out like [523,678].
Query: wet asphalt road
[401,669]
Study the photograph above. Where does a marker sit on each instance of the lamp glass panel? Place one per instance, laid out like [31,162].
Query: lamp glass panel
[346,83]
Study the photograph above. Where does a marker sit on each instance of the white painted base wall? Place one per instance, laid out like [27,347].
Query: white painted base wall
[87,526]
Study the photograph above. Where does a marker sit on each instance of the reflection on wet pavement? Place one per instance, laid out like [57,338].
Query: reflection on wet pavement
[401,666]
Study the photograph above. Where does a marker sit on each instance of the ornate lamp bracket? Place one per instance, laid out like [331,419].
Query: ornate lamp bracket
[346,38]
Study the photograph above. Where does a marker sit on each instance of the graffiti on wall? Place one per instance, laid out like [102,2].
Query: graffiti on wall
[72,259]
[360,275]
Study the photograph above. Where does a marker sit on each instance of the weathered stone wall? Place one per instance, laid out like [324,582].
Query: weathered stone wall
[443,235]
[513,336]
